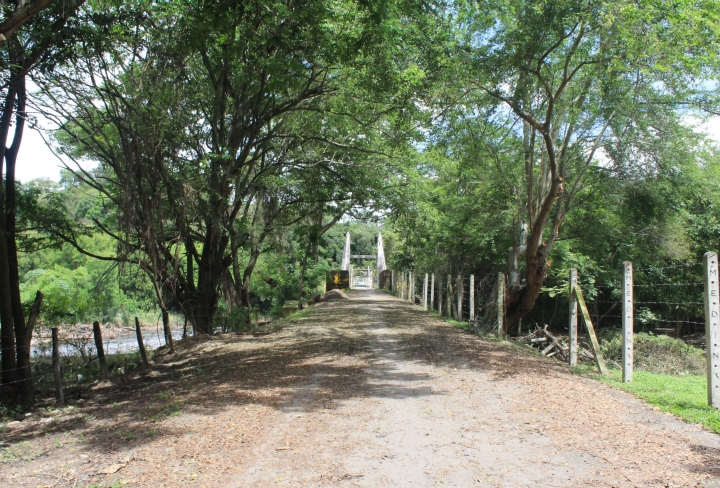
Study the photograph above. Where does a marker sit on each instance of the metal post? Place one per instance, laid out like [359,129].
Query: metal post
[572,326]
[627,322]
[712,328]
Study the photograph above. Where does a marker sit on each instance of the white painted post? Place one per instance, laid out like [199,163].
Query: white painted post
[627,322]
[500,304]
[432,290]
[425,292]
[472,298]
[572,326]
[712,328]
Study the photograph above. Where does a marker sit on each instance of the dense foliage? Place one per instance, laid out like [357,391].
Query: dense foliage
[218,152]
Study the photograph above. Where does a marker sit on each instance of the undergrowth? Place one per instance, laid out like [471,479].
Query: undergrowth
[655,353]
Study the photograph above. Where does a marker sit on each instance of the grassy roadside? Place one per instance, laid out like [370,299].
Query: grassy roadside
[682,395]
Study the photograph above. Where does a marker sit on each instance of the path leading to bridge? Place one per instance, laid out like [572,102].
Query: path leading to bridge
[370,391]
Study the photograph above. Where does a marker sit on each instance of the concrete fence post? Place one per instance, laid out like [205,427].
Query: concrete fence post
[471,315]
[432,290]
[460,295]
[425,292]
[627,322]
[448,301]
[440,295]
[712,328]
[501,305]
[572,326]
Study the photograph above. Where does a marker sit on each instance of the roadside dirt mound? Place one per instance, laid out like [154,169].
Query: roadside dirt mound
[334,295]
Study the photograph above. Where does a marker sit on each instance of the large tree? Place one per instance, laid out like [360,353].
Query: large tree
[587,82]
[32,38]
[205,119]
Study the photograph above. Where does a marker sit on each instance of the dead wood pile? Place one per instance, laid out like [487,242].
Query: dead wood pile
[554,346]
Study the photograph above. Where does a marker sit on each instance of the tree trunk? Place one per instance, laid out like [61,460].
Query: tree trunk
[7,330]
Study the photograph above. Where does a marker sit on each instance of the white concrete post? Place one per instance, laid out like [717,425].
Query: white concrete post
[448,303]
[500,304]
[440,295]
[472,298]
[572,326]
[432,290]
[425,292]
[627,322]
[712,328]
[411,289]
[460,293]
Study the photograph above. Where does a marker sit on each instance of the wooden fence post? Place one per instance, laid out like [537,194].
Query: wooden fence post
[432,290]
[591,332]
[471,317]
[425,292]
[100,351]
[448,302]
[59,394]
[627,322]
[141,345]
[572,326]
[168,331]
[500,304]
[392,282]
[712,328]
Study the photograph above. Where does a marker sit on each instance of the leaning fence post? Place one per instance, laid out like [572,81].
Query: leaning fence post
[627,322]
[572,327]
[472,299]
[141,346]
[100,351]
[59,394]
[425,293]
[500,304]
[712,328]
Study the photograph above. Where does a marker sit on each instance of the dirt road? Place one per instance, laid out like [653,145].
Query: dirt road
[370,391]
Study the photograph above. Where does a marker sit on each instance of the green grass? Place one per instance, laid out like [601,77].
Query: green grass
[682,395]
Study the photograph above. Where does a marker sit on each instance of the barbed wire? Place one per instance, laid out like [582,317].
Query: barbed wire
[676,266]
[658,320]
[668,284]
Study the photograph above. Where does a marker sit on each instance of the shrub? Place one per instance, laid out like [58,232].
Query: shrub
[656,353]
